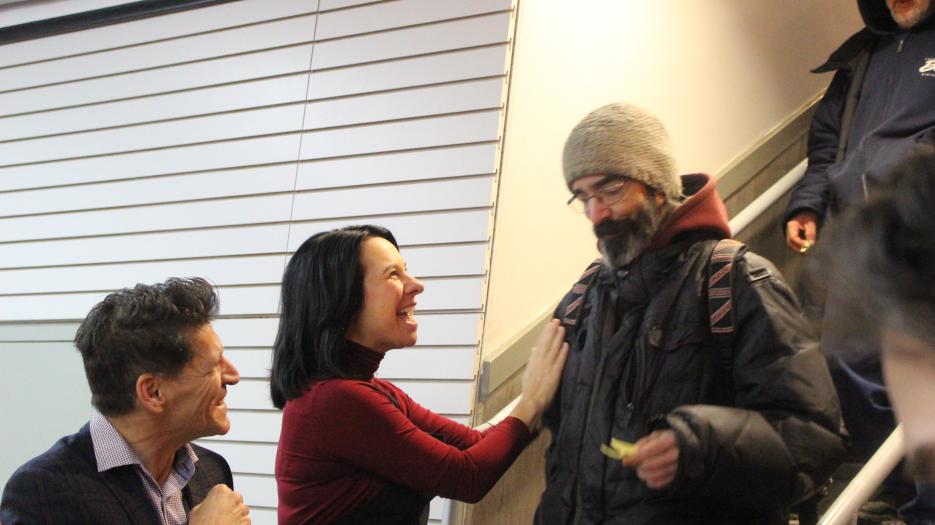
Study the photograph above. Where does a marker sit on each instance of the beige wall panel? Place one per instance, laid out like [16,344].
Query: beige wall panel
[483,94]
[139,31]
[259,427]
[446,66]
[182,132]
[245,95]
[448,227]
[160,54]
[227,183]
[383,16]
[222,271]
[428,362]
[232,154]
[257,490]
[252,458]
[327,5]
[247,240]
[56,332]
[458,161]
[158,217]
[416,102]
[154,81]
[473,192]
[450,260]
[433,38]
[391,136]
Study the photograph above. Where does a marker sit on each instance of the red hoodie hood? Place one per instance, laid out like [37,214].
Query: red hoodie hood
[703,209]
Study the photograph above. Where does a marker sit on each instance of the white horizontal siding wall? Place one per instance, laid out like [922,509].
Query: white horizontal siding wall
[212,142]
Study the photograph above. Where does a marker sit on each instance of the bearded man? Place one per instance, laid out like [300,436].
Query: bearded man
[731,407]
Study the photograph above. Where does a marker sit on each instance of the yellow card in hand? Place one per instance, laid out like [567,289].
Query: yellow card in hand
[618,449]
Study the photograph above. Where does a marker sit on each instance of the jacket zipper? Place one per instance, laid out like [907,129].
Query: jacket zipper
[587,418]
[889,103]
[595,387]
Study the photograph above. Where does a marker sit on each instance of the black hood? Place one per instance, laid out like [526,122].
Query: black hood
[877,17]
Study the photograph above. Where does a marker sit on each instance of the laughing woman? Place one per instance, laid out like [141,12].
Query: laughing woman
[357,449]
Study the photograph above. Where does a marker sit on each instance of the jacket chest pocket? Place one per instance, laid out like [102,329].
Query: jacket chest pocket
[685,360]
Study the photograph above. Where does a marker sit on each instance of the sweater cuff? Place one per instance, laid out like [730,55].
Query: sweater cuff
[515,426]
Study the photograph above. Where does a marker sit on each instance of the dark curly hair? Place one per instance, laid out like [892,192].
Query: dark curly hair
[144,329]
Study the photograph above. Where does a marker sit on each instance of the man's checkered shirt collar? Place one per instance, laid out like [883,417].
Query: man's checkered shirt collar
[111,450]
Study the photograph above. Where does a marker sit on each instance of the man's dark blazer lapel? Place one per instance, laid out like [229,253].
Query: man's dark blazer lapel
[126,486]
[198,488]
[123,482]
[210,469]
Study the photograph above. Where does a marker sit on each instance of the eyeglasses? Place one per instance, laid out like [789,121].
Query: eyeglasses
[609,193]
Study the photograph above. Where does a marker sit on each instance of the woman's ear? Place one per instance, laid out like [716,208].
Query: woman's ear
[149,393]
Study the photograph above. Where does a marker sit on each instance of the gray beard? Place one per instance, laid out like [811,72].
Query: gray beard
[621,241]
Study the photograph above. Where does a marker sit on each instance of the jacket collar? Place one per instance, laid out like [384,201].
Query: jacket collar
[123,482]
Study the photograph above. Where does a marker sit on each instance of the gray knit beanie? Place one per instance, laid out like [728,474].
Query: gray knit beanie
[623,139]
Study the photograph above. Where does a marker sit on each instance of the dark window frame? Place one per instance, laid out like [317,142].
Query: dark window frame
[98,18]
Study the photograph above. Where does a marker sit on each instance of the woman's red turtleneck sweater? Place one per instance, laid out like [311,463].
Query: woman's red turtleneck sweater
[344,440]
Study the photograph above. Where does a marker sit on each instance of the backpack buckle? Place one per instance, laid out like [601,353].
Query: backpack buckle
[758,274]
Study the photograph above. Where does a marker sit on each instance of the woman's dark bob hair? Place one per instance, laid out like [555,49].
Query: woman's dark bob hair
[322,292]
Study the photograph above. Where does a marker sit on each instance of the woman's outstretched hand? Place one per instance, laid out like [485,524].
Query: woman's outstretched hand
[542,374]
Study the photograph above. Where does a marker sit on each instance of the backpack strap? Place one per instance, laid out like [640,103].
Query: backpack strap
[578,295]
[721,285]
[721,318]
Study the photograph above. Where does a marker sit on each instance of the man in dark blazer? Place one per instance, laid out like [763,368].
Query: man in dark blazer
[158,380]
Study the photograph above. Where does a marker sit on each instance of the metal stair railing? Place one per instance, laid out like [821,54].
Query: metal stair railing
[769,197]
[844,509]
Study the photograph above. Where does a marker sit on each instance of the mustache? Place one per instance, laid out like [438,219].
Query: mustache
[615,228]
[627,226]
